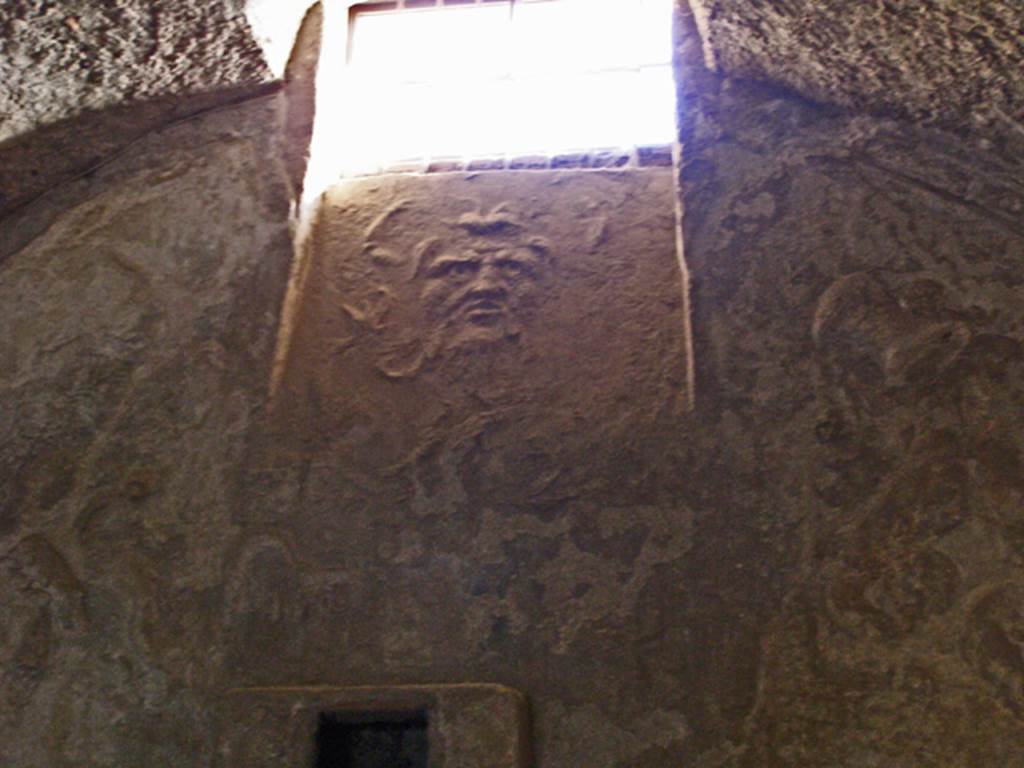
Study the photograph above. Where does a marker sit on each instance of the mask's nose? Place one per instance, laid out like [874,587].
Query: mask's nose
[489,283]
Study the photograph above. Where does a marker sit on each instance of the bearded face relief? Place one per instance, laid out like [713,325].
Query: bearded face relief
[479,291]
[480,285]
[425,299]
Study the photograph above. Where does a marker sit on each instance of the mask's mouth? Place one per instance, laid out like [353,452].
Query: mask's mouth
[483,311]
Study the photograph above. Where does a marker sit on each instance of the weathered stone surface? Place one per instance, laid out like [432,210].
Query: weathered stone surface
[58,59]
[958,62]
[858,304]
[138,329]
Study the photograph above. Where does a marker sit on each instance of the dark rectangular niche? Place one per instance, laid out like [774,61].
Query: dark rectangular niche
[372,740]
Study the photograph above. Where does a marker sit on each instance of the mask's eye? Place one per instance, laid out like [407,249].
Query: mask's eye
[463,268]
[513,267]
[454,268]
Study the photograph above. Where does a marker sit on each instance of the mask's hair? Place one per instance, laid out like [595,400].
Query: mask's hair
[424,252]
[541,247]
[380,225]
[497,222]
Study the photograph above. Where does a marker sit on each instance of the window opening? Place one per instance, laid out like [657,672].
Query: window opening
[372,740]
[428,80]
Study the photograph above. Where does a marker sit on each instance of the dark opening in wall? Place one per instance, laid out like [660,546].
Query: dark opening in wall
[372,740]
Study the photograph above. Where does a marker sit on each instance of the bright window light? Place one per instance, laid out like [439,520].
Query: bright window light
[488,78]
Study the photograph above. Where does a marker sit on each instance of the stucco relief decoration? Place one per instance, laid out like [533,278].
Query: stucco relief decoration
[476,283]
[919,483]
[532,323]
[915,401]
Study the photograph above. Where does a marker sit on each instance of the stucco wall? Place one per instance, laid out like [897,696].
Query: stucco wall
[858,319]
[140,312]
[818,566]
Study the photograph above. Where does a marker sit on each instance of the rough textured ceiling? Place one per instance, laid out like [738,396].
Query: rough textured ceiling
[60,58]
[953,62]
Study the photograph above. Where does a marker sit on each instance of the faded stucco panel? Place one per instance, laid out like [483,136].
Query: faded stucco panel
[138,327]
[541,310]
[858,304]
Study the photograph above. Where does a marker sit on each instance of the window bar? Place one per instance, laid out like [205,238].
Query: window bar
[403,4]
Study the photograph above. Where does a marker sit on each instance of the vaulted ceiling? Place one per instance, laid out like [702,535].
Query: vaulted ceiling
[957,63]
[953,62]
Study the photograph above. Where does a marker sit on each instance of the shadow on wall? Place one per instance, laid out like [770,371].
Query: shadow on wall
[39,166]
[45,160]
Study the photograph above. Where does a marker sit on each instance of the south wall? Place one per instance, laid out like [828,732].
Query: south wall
[829,575]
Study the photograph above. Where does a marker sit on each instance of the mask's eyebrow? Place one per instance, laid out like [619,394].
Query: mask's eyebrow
[519,253]
[453,258]
[424,254]
[448,261]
